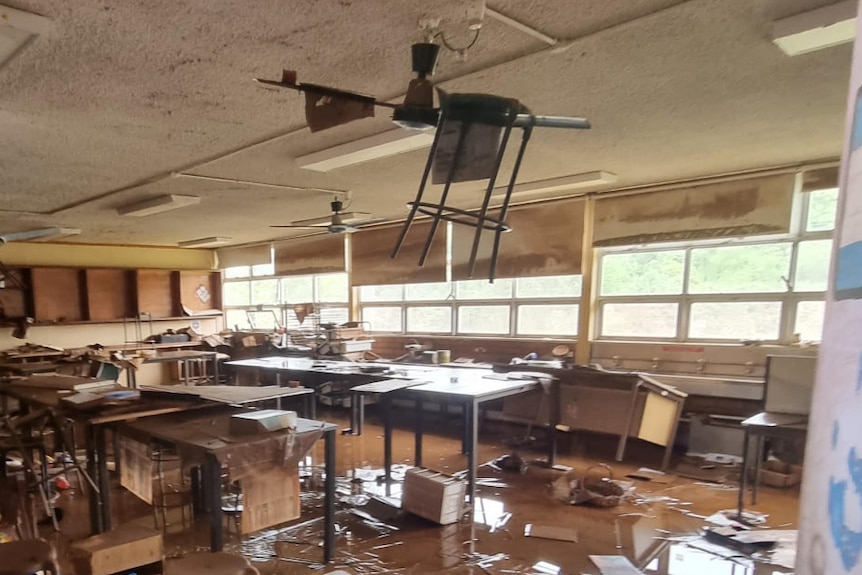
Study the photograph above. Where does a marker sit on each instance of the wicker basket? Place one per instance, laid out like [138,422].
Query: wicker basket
[598,483]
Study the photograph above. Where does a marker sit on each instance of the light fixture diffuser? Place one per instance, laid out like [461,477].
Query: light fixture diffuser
[204,242]
[374,147]
[817,29]
[558,186]
[157,205]
[40,234]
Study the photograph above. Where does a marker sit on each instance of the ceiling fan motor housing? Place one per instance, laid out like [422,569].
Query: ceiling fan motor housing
[424,58]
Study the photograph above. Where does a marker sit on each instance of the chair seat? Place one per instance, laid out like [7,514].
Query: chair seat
[27,557]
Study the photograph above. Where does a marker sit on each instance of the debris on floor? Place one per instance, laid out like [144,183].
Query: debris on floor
[614,565]
[551,532]
[596,487]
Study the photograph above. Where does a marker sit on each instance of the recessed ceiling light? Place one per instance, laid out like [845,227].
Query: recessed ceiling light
[817,29]
[157,205]
[374,147]
[17,29]
[558,186]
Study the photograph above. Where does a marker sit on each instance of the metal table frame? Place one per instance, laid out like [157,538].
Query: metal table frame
[470,401]
[758,427]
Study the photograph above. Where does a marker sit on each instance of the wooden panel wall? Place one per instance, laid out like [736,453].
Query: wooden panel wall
[57,294]
[155,293]
[109,294]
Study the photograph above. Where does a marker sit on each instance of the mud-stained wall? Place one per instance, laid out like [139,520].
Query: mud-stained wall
[744,208]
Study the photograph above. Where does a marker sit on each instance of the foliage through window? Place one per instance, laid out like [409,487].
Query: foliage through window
[729,290]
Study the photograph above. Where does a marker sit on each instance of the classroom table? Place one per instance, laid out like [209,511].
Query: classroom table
[761,426]
[208,436]
[184,357]
[153,402]
[468,391]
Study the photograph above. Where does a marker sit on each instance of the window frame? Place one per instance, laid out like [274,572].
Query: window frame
[789,298]
[455,304]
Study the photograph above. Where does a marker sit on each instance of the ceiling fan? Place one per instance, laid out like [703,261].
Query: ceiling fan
[328,107]
[338,222]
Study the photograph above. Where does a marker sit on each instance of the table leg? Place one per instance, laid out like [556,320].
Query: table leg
[329,501]
[742,475]
[215,369]
[104,481]
[758,453]
[554,417]
[95,496]
[360,419]
[354,408]
[212,492]
[466,417]
[472,415]
[417,438]
[198,503]
[387,442]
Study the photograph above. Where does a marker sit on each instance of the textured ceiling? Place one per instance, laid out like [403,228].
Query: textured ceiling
[121,94]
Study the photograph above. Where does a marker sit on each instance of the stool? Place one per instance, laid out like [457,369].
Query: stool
[27,557]
[206,563]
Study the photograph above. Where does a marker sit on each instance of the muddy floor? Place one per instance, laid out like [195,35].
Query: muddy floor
[649,527]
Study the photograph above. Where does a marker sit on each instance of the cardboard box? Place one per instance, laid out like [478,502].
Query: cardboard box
[270,498]
[776,473]
[126,547]
[434,496]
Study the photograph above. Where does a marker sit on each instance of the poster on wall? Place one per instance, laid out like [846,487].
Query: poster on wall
[830,523]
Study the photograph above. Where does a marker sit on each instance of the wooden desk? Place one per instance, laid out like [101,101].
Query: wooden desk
[208,436]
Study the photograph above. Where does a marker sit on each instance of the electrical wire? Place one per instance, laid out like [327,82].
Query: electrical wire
[442,37]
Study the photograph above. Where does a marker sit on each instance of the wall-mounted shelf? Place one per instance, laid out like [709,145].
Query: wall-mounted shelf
[72,296]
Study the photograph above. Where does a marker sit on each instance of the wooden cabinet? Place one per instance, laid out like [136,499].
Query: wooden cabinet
[68,295]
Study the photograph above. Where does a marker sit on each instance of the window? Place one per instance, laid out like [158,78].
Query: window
[523,307]
[728,290]
[254,298]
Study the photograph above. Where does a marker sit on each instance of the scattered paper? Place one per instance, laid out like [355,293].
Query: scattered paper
[614,565]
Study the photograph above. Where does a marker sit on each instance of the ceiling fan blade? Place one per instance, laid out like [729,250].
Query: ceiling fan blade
[367,222]
[290,83]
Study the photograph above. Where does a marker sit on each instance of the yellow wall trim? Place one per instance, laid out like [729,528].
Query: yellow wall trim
[101,256]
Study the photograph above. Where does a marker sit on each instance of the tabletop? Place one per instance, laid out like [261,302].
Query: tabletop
[230,394]
[777,421]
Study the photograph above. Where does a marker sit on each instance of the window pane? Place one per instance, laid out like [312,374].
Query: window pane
[336,315]
[382,318]
[740,269]
[428,319]
[236,293]
[642,273]
[266,319]
[380,293]
[547,319]
[812,265]
[809,320]
[298,289]
[639,319]
[427,292]
[263,270]
[236,319]
[236,272]
[490,319]
[332,288]
[483,289]
[822,205]
[735,320]
[556,286]
[264,292]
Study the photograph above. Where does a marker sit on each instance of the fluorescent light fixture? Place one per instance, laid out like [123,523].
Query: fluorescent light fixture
[158,205]
[40,234]
[817,29]
[558,186]
[204,242]
[375,147]
[17,29]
